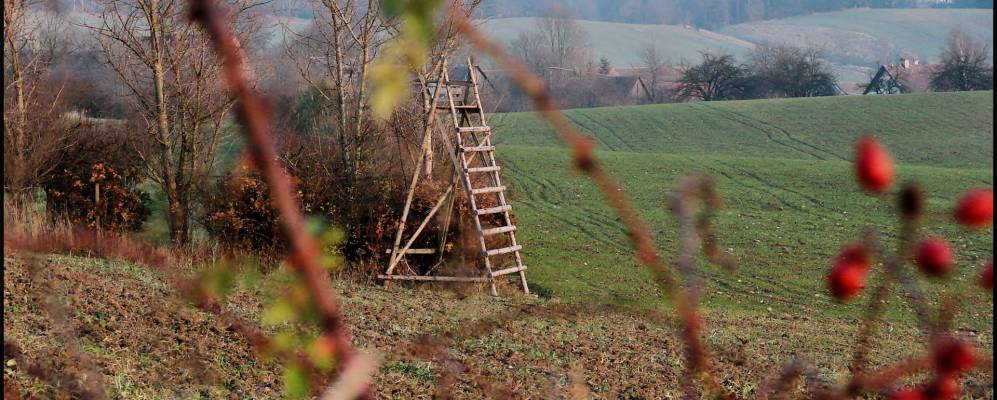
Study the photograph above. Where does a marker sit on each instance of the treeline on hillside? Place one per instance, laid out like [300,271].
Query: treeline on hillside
[559,51]
[700,13]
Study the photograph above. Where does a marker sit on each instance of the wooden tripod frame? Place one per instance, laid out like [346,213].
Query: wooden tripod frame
[468,143]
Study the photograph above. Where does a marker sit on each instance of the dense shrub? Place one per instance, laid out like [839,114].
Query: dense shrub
[95,181]
[362,194]
[241,216]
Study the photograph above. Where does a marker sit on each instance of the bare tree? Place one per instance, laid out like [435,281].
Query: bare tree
[171,76]
[787,71]
[653,64]
[34,130]
[529,47]
[717,77]
[335,58]
[563,41]
[964,66]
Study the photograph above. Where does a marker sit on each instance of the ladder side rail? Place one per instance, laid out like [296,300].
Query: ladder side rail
[508,221]
[453,107]
[474,86]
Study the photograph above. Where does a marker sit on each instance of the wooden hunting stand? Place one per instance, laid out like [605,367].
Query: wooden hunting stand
[467,140]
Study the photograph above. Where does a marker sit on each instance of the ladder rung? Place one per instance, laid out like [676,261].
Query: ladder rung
[414,251]
[488,190]
[508,271]
[431,278]
[460,107]
[484,169]
[494,210]
[478,148]
[451,82]
[504,250]
[475,128]
[496,231]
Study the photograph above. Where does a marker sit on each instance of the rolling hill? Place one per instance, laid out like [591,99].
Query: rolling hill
[865,36]
[933,129]
[854,40]
[621,42]
[782,165]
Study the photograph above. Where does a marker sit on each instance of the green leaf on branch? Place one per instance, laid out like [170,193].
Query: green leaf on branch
[281,311]
[217,280]
[296,384]
[390,72]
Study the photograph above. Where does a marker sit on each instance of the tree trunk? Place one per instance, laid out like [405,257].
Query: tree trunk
[178,211]
[13,20]
[178,218]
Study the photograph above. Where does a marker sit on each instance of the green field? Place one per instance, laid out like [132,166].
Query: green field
[781,165]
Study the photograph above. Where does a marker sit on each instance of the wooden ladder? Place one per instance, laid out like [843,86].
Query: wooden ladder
[476,155]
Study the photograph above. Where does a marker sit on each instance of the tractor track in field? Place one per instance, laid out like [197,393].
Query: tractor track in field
[554,208]
[592,235]
[750,288]
[813,200]
[543,186]
[733,116]
[609,130]
[608,225]
[602,143]
[741,182]
[788,135]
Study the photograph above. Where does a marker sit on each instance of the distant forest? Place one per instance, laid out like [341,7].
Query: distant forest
[700,13]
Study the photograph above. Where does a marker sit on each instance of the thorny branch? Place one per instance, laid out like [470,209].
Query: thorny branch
[304,247]
[640,235]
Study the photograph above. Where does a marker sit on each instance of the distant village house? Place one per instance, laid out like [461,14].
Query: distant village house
[907,76]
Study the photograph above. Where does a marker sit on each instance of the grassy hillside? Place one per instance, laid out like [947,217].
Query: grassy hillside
[871,35]
[622,43]
[789,204]
[783,168]
[938,129]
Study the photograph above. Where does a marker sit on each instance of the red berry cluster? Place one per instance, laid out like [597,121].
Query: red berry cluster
[951,358]
[933,256]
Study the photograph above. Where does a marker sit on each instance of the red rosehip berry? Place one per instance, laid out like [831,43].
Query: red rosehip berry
[953,356]
[976,208]
[873,165]
[855,254]
[934,257]
[846,281]
[942,388]
[847,276]
[987,277]
[909,394]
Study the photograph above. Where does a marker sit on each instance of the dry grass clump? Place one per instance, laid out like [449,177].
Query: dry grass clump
[28,227]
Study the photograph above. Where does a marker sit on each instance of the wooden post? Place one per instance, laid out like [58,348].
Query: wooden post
[96,203]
